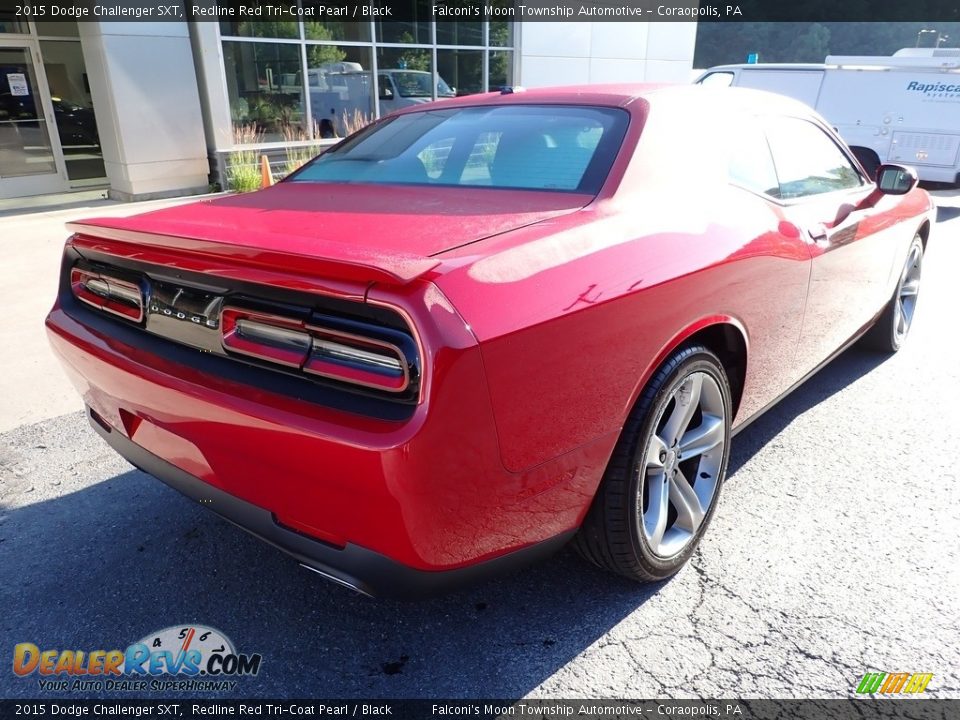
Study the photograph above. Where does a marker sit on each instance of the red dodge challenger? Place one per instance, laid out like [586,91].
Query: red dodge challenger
[481,328]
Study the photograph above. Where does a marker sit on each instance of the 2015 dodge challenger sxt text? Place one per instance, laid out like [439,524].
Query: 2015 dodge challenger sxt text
[482,327]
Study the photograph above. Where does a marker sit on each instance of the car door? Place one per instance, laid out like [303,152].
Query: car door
[820,189]
[772,295]
[388,95]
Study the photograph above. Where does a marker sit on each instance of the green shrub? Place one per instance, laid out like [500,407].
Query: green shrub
[243,167]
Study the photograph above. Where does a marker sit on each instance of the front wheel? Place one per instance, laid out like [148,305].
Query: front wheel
[663,481]
[893,325]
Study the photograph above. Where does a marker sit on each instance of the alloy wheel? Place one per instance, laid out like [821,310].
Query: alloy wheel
[680,469]
[907,293]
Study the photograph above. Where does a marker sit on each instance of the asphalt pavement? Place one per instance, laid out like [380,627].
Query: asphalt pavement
[834,552]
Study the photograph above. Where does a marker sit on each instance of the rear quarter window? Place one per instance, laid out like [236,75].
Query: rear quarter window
[749,162]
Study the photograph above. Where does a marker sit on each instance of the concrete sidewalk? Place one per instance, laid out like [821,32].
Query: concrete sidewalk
[32,385]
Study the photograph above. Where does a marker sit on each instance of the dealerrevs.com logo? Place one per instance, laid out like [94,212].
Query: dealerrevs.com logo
[181,657]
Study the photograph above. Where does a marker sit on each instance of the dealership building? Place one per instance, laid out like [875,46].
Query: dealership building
[151,109]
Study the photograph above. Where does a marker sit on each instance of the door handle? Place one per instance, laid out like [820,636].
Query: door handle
[818,233]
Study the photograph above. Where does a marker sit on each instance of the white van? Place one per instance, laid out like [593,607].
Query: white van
[402,88]
[339,89]
[901,109]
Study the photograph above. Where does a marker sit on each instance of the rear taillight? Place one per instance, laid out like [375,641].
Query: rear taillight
[335,350]
[108,293]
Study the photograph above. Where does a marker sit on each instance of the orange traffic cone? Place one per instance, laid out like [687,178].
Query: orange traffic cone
[266,176]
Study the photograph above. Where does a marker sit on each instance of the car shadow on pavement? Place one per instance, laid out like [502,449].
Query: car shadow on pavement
[947,212]
[104,566]
[846,368]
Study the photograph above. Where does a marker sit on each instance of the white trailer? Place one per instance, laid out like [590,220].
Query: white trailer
[901,109]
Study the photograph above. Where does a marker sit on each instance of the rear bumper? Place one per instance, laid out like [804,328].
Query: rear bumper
[391,507]
[356,567]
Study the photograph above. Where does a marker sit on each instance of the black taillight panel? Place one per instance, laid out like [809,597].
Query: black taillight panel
[109,290]
[343,350]
[353,346]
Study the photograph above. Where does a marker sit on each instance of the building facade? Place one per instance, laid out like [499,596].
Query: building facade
[152,109]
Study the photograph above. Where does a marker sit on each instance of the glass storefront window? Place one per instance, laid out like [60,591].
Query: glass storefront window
[260,28]
[417,59]
[405,78]
[462,70]
[319,81]
[460,33]
[341,89]
[265,87]
[73,109]
[347,31]
[415,31]
[501,33]
[500,73]
[9,21]
[24,141]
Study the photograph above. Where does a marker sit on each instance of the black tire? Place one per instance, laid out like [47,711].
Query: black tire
[611,536]
[887,335]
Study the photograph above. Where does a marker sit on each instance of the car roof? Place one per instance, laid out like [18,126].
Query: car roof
[657,96]
[615,95]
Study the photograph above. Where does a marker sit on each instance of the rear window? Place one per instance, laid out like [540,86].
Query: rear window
[526,147]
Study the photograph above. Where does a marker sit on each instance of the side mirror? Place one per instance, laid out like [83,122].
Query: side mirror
[891,180]
[386,93]
[896,179]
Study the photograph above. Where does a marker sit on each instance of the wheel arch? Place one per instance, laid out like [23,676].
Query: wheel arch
[924,232]
[723,335]
[729,343]
[611,534]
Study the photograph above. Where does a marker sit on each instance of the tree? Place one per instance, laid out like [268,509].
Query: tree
[501,62]
[320,55]
[413,58]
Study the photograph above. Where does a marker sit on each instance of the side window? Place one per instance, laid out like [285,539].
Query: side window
[386,87]
[750,163]
[808,161]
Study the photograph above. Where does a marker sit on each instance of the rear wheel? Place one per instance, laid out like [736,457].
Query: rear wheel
[891,329]
[662,484]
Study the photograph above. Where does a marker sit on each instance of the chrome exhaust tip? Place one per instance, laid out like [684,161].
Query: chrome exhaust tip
[337,580]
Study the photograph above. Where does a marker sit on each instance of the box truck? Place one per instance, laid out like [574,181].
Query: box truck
[903,109]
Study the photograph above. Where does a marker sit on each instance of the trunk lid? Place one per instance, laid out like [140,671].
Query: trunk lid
[356,232]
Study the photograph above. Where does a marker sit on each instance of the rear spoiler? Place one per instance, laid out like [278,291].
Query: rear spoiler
[319,258]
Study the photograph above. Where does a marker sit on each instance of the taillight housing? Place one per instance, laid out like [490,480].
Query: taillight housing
[335,348]
[107,292]
[363,349]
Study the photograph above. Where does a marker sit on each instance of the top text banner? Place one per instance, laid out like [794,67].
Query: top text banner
[471,10]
